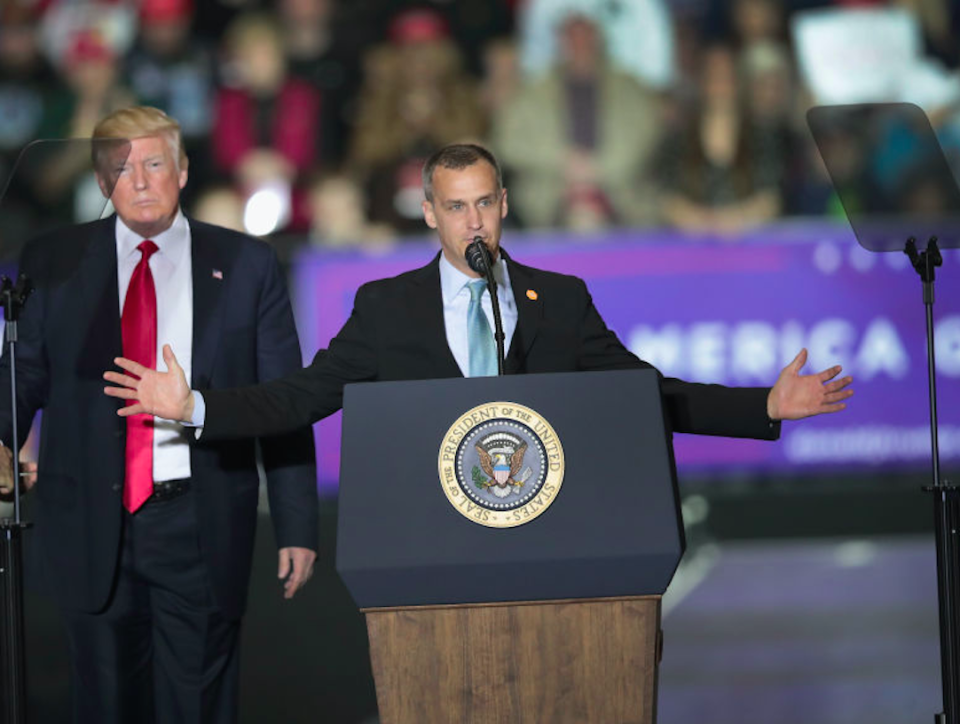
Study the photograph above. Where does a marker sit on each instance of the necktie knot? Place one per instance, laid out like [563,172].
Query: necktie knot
[477,288]
[147,248]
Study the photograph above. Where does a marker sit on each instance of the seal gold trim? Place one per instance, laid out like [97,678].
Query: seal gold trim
[501,464]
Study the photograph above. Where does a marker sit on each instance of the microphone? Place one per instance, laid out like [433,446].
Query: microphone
[478,259]
[478,256]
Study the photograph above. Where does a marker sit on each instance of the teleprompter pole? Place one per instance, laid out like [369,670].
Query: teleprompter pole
[946,505]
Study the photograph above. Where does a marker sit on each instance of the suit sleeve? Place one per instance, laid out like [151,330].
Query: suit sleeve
[304,396]
[289,460]
[689,407]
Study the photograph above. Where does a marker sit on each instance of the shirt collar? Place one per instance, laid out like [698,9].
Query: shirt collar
[171,244]
[452,280]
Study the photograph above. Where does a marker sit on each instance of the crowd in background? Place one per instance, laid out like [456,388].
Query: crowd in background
[313,117]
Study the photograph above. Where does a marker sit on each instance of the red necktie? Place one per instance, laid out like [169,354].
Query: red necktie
[139,326]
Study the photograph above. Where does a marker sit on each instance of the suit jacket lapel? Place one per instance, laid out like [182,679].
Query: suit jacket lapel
[207,303]
[529,315]
[99,290]
[426,306]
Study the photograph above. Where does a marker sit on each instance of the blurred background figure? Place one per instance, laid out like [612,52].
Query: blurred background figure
[26,81]
[220,205]
[415,97]
[338,217]
[266,125]
[172,68]
[638,33]
[84,42]
[721,170]
[578,140]
[501,78]
[322,48]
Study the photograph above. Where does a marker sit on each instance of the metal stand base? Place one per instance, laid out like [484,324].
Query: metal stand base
[946,507]
[13,675]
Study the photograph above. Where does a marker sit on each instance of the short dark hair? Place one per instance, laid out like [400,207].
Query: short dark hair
[458,156]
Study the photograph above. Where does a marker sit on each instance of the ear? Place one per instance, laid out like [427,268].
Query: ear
[104,187]
[183,175]
[428,214]
[503,205]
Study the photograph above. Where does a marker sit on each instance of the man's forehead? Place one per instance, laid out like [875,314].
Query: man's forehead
[474,181]
[144,145]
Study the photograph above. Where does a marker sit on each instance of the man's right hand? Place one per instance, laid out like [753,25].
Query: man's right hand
[163,394]
[28,474]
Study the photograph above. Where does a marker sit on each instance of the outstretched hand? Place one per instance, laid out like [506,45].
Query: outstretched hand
[163,394]
[795,396]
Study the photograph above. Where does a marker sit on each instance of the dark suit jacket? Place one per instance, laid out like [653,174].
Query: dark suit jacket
[243,332]
[396,332]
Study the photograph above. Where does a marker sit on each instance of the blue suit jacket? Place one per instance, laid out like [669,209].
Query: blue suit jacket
[243,333]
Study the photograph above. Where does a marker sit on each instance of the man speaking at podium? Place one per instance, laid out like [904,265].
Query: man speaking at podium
[435,322]
[147,540]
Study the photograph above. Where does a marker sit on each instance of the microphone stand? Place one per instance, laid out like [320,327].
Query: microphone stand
[478,258]
[13,664]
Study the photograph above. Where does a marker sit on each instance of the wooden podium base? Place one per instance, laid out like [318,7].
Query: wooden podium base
[588,661]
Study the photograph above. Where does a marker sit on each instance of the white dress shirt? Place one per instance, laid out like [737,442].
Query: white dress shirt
[456,299]
[172,269]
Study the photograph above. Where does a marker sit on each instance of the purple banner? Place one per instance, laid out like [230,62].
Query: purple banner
[733,312]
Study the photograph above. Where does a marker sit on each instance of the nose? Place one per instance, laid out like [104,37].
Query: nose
[474,219]
[139,178]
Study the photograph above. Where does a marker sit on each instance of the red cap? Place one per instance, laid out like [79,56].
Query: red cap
[88,45]
[417,26]
[164,11]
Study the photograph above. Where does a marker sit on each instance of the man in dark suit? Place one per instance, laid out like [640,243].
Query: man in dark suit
[147,539]
[420,325]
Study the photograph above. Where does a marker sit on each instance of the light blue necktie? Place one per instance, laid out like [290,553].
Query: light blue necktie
[480,343]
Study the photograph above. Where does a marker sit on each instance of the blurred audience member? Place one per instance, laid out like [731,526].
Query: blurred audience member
[25,81]
[722,171]
[757,21]
[220,205]
[578,141]
[338,218]
[471,24]
[171,69]
[266,124]
[415,98]
[92,87]
[940,20]
[770,90]
[91,90]
[501,75]
[639,35]
[325,53]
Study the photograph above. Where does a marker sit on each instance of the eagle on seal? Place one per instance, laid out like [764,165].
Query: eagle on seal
[502,471]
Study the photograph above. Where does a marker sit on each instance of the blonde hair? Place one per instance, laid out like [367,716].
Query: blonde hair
[250,28]
[137,122]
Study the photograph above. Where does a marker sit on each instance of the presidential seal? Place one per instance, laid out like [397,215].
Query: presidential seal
[501,464]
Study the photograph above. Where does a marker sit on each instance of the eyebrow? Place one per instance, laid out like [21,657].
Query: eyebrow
[491,195]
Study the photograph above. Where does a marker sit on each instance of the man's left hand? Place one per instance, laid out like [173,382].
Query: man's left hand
[795,396]
[296,565]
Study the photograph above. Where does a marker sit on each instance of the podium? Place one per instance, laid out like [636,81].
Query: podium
[508,540]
